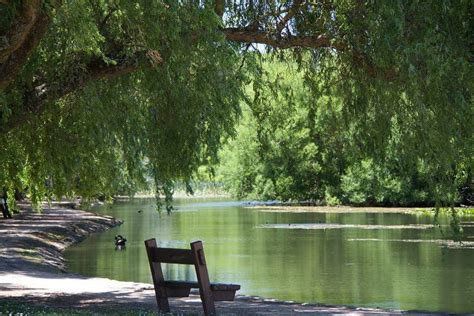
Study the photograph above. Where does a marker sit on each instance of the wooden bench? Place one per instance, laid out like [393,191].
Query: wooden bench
[209,292]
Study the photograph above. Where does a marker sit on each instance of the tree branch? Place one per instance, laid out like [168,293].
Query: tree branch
[244,35]
[219,7]
[291,13]
[97,69]
[33,24]
[19,30]
[23,37]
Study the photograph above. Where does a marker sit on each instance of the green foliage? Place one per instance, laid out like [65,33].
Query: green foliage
[238,166]
[382,116]
[113,136]
[303,146]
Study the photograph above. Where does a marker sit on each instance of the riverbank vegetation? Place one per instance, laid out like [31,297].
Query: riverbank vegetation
[348,101]
[304,148]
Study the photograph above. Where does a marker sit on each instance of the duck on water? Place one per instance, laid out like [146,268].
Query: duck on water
[120,242]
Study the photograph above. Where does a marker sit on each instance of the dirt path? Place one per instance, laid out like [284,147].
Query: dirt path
[32,272]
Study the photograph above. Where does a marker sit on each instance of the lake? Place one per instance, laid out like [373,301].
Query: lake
[388,260]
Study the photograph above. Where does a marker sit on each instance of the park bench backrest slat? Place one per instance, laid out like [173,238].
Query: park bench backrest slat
[171,255]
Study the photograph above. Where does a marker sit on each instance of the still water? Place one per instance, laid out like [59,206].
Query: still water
[357,260]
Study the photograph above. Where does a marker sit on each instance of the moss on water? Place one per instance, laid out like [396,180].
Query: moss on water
[461,211]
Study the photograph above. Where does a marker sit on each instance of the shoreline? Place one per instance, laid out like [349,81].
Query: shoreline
[47,233]
[32,272]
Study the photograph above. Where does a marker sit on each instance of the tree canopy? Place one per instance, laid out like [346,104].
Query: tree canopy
[97,95]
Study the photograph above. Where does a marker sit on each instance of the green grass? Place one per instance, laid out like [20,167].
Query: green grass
[13,307]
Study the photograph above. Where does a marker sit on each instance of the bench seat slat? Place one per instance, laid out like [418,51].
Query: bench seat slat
[220,291]
[180,284]
[224,287]
[195,285]
[177,292]
[223,295]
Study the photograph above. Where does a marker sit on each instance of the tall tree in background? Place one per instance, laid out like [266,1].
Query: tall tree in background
[95,94]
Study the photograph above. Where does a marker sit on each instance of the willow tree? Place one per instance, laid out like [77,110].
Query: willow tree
[96,95]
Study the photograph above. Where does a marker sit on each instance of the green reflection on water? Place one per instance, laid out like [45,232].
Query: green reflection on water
[331,266]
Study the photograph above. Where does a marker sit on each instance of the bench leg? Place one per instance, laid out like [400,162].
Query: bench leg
[157,275]
[209,308]
[163,304]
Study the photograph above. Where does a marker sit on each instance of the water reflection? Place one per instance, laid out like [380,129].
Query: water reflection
[333,266]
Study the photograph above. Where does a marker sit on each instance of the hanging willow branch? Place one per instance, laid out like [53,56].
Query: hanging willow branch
[97,69]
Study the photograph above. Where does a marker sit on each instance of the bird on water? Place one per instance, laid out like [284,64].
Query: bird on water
[120,242]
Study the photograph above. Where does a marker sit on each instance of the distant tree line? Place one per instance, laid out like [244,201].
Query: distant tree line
[292,146]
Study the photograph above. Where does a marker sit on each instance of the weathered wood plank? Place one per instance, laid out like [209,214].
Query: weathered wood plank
[171,255]
[224,287]
[209,292]
[202,274]
[157,275]
[178,292]
[181,284]
[224,295]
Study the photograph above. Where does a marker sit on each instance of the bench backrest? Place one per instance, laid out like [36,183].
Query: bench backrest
[171,255]
[195,256]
